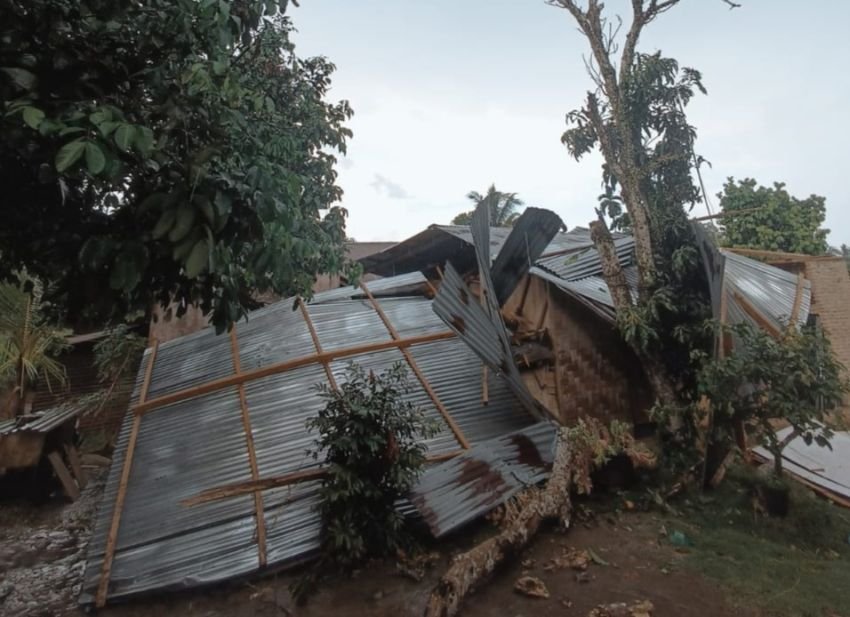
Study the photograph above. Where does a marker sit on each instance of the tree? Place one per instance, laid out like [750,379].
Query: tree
[794,378]
[759,217]
[503,207]
[636,118]
[28,343]
[166,149]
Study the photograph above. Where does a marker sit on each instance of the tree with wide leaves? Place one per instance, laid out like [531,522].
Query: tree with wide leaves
[770,218]
[503,207]
[635,117]
[166,150]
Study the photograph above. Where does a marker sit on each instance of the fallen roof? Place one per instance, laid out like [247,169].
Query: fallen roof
[433,246]
[46,420]
[460,490]
[217,416]
[826,468]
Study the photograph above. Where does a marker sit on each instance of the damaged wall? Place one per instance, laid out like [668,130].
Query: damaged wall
[594,373]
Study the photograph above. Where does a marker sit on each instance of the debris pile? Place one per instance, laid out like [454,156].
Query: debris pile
[42,565]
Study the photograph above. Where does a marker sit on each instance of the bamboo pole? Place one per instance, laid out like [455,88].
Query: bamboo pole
[112,537]
[259,510]
[461,438]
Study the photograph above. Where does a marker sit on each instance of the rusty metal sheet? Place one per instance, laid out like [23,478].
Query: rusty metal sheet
[458,491]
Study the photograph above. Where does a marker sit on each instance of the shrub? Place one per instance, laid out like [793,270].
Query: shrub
[372,440]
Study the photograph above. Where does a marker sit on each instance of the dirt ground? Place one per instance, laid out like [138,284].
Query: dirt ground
[42,548]
[640,568]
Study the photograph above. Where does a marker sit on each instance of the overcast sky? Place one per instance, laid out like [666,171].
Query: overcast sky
[452,95]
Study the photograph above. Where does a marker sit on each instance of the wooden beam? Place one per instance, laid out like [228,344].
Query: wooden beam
[69,486]
[238,489]
[112,537]
[281,367]
[757,315]
[316,343]
[798,299]
[259,510]
[524,294]
[76,465]
[461,438]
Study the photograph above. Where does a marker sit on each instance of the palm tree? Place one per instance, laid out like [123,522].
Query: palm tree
[28,344]
[503,207]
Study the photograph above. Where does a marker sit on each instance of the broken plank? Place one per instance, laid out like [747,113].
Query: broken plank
[68,485]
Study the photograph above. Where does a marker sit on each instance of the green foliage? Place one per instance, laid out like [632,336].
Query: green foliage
[166,149]
[114,355]
[655,94]
[794,379]
[778,221]
[29,344]
[503,207]
[372,438]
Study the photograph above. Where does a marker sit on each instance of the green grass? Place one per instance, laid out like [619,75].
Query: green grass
[798,565]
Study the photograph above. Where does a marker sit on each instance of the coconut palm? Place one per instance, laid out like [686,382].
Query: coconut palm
[503,207]
[28,344]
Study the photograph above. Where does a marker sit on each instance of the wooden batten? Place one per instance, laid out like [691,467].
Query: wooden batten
[461,438]
[259,509]
[112,537]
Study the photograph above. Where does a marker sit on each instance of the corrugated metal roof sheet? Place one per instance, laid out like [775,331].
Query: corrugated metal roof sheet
[529,237]
[199,443]
[585,263]
[46,420]
[769,289]
[453,493]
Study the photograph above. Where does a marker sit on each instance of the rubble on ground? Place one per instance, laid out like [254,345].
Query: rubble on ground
[42,565]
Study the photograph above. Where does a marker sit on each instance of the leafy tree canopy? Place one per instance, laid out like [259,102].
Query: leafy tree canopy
[166,149]
[503,207]
[771,219]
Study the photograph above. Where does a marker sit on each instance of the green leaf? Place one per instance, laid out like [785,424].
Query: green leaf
[20,77]
[70,130]
[33,117]
[198,259]
[185,219]
[106,128]
[164,224]
[69,154]
[124,136]
[95,160]
[144,140]
[219,67]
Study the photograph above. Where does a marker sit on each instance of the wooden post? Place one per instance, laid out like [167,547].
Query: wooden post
[76,465]
[259,510]
[68,484]
[415,368]
[112,537]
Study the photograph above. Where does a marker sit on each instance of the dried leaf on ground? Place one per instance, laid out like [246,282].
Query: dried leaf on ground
[532,587]
[642,608]
[571,558]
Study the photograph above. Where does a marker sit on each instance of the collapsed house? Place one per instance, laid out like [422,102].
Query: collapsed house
[505,332]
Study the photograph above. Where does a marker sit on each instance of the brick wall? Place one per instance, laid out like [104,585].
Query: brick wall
[831,303]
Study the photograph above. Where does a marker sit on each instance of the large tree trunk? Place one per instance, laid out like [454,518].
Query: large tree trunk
[472,567]
[618,286]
